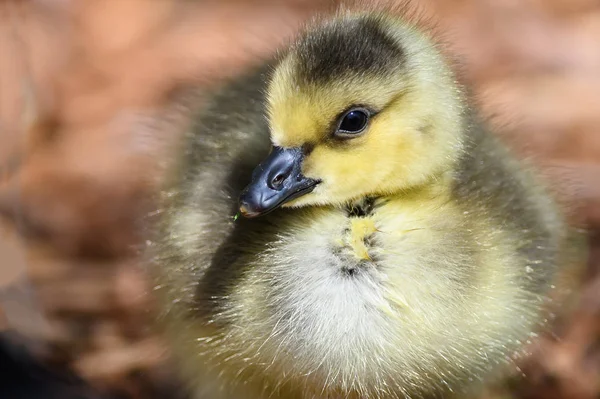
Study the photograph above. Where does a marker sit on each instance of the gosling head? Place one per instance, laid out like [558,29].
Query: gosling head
[362,105]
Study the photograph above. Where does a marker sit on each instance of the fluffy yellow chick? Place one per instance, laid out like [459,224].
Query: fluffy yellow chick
[392,248]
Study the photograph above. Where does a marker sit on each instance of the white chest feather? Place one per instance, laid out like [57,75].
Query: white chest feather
[362,303]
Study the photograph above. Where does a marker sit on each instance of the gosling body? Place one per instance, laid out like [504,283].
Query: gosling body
[419,263]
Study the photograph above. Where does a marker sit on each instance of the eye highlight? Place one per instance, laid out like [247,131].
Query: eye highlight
[353,122]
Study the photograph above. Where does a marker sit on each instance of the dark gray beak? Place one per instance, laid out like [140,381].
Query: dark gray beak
[277,180]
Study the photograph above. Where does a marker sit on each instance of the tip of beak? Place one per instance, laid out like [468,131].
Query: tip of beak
[247,213]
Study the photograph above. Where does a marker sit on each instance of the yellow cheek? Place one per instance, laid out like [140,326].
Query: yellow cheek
[379,162]
[345,172]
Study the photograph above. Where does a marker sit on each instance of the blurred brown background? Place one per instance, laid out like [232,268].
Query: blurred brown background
[87,92]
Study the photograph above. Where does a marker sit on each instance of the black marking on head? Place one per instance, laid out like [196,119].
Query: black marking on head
[307,148]
[345,47]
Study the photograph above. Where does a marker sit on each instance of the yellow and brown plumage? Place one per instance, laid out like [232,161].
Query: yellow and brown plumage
[393,248]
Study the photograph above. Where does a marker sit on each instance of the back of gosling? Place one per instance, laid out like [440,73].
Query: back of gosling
[413,256]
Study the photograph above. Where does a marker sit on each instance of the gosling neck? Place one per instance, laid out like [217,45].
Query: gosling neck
[366,206]
[362,207]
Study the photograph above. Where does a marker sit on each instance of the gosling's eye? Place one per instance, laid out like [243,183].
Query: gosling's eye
[353,122]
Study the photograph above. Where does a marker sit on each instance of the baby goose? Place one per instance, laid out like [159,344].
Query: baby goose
[414,254]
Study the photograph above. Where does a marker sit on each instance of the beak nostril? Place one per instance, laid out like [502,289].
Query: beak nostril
[278,180]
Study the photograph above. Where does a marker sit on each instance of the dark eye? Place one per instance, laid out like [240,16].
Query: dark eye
[353,122]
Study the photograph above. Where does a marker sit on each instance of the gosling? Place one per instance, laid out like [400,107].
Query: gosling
[390,247]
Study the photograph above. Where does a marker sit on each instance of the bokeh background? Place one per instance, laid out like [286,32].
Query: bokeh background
[90,96]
